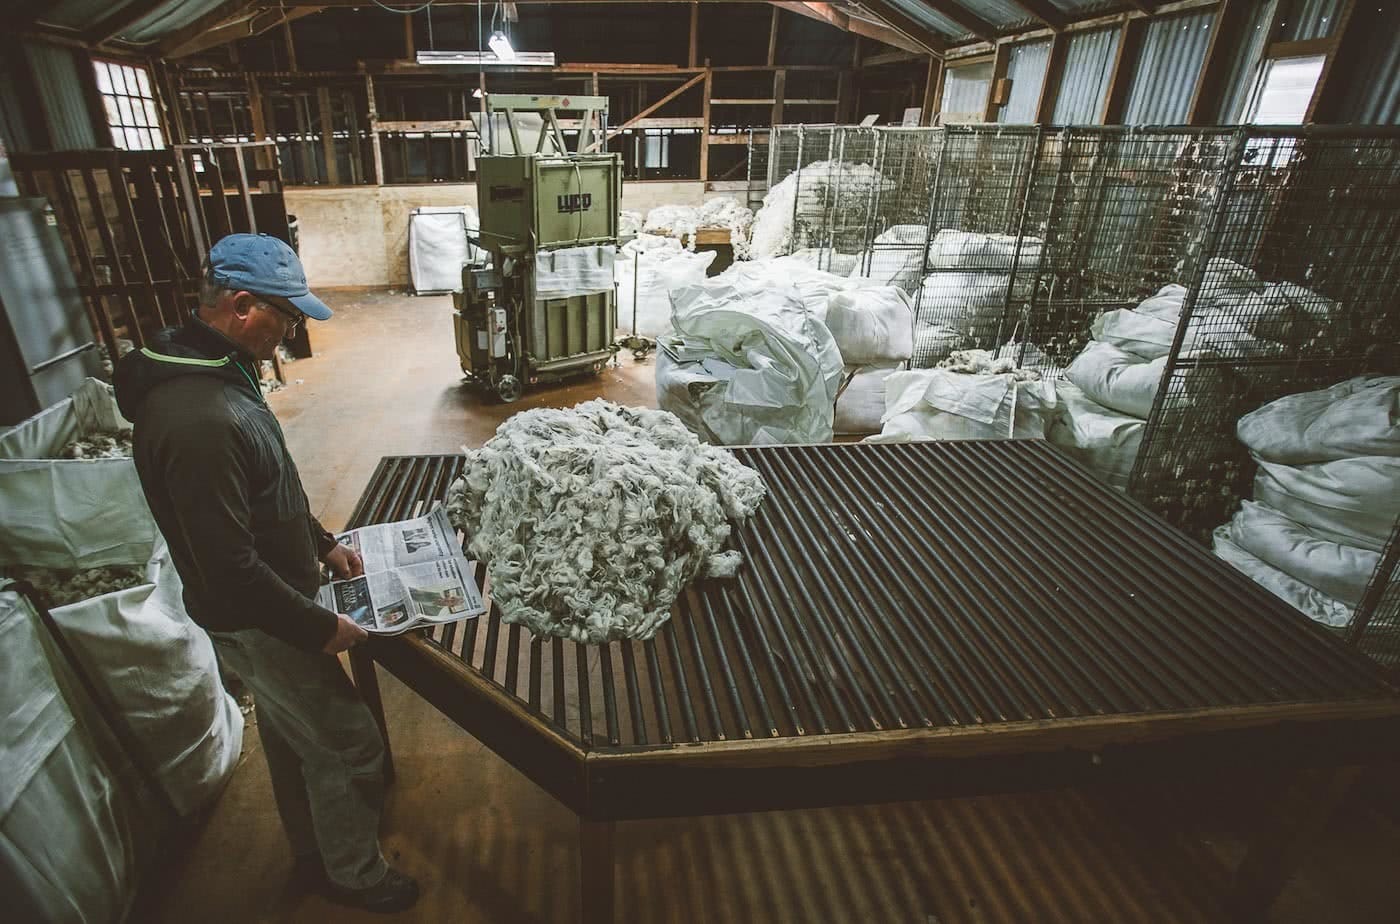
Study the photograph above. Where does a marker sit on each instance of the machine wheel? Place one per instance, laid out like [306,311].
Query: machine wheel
[509,389]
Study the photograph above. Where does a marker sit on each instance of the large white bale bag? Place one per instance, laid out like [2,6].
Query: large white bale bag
[1280,312]
[438,248]
[951,249]
[860,406]
[1340,571]
[757,366]
[1147,336]
[829,260]
[1226,279]
[871,325]
[159,667]
[70,513]
[895,258]
[647,273]
[812,196]
[1117,379]
[777,273]
[1351,501]
[1102,440]
[1358,417]
[969,302]
[936,404]
[72,831]
[1310,601]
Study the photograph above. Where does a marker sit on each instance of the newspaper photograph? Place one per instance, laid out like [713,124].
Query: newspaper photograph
[415,575]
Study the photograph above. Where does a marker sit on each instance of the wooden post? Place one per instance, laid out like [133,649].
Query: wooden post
[773,38]
[843,97]
[291,46]
[374,131]
[1054,76]
[933,91]
[256,116]
[597,870]
[694,34]
[1124,65]
[779,90]
[1000,62]
[409,53]
[327,120]
[1224,47]
[705,129]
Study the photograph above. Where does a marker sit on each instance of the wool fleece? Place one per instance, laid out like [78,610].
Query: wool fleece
[592,520]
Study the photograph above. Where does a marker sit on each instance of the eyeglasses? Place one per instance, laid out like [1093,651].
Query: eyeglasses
[294,318]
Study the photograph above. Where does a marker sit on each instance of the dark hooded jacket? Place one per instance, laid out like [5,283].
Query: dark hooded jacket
[223,488]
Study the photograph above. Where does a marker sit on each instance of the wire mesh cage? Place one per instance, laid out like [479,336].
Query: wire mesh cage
[1293,291]
[895,213]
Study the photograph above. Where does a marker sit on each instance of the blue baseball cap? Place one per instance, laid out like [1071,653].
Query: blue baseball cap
[263,265]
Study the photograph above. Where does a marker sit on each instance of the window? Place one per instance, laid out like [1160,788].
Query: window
[656,150]
[1285,90]
[131,106]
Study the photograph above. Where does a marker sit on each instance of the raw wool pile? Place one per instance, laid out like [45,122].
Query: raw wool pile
[59,587]
[115,445]
[819,185]
[107,364]
[629,223]
[592,520]
[1326,495]
[985,362]
[719,212]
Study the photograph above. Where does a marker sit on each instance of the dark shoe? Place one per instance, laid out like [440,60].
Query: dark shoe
[395,892]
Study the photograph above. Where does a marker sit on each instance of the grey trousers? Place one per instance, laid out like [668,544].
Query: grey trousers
[323,749]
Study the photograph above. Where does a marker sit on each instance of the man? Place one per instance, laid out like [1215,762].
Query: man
[228,499]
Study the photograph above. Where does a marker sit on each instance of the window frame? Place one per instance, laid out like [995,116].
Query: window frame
[130,109]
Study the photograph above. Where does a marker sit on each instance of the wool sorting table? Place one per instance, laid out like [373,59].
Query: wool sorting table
[911,621]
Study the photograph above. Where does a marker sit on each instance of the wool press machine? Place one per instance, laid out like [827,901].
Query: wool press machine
[549,219]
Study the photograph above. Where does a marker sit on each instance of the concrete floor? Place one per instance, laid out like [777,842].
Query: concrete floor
[489,846]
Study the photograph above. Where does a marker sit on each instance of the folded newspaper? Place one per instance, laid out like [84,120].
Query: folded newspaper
[415,575]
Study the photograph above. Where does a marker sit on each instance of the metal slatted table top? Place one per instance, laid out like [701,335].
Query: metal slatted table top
[944,586]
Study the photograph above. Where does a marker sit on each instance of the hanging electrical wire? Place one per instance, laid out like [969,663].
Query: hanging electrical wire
[416,9]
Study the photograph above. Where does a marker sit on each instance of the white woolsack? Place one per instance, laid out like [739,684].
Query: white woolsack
[861,404]
[777,273]
[1358,417]
[629,223]
[938,404]
[1351,501]
[871,325]
[1312,602]
[1117,379]
[648,269]
[1340,571]
[951,249]
[829,260]
[758,366]
[592,520]
[1104,441]
[967,302]
[895,258]
[1142,334]
[1225,279]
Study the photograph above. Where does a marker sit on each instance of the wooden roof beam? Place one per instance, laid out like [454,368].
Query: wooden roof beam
[109,27]
[964,17]
[1045,11]
[221,15]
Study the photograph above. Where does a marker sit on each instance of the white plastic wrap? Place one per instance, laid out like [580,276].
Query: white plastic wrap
[1104,441]
[574,271]
[1358,417]
[757,367]
[438,247]
[936,404]
[70,513]
[1312,602]
[872,325]
[860,407]
[1340,571]
[1351,501]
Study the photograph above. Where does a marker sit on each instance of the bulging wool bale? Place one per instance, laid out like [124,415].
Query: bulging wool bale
[1117,379]
[1312,602]
[592,520]
[871,325]
[1340,571]
[861,404]
[1355,502]
[1102,440]
[1358,417]
[952,249]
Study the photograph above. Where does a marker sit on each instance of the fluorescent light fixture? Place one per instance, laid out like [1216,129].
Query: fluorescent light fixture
[501,46]
[487,58]
[476,94]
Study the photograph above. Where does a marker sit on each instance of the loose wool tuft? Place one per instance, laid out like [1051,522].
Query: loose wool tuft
[592,520]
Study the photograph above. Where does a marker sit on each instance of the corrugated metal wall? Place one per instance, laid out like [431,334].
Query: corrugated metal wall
[1373,94]
[1244,65]
[60,90]
[965,92]
[1025,66]
[1173,51]
[1088,68]
[1310,19]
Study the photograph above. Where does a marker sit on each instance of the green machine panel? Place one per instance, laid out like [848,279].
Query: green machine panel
[563,200]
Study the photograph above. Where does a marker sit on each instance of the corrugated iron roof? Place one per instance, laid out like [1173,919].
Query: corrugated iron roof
[1172,54]
[158,22]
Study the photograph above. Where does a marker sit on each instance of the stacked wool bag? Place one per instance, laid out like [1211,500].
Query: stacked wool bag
[874,330]
[815,286]
[971,395]
[1326,495]
[804,198]
[592,520]
[971,275]
[648,268]
[748,364]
